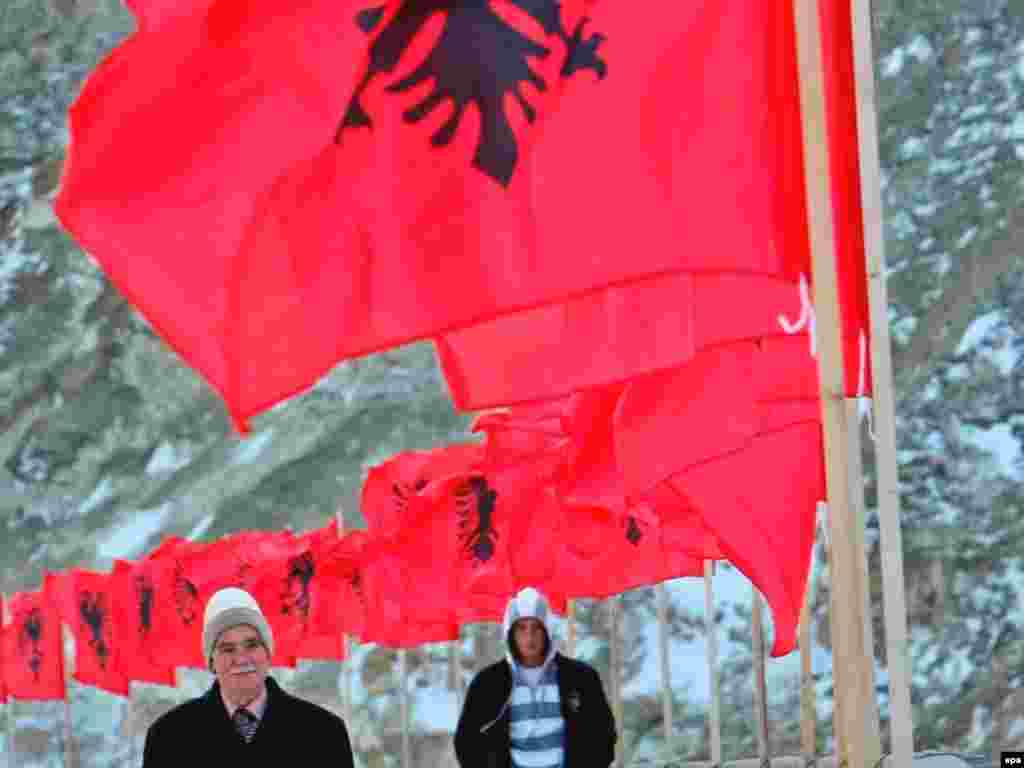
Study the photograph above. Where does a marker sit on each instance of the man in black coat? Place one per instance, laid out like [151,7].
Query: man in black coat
[535,708]
[245,718]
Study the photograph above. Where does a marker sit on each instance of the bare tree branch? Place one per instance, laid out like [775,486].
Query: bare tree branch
[944,323]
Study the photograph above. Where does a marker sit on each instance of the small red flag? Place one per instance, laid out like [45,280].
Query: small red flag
[85,604]
[33,655]
[132,597]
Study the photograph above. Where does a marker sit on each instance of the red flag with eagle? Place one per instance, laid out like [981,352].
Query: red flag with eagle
[288,583]
[323,594]
[439,510]
[637,458]
[351,170]
[659,323]
[84,602]
[133,603]
[33,653]
[185,576]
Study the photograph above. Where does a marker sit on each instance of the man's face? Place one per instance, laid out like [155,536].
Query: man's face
[241,664]
[528,636]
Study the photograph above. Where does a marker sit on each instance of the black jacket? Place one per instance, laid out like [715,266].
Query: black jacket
[482,735]
[292,731]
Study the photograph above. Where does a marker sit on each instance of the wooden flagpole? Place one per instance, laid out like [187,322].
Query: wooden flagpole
[455,669]
[661,598]
[856,477]
[808,714]
[711,630]
[808,711]
[403,700]
[760,683]
[615,671]
[570,629]
[901,726]
[344,676]
[68,659]
[858,739]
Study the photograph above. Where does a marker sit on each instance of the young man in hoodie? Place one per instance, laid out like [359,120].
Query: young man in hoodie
[535,708]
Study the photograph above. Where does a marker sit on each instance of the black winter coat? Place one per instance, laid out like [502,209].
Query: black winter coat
[482,735]
[292,731]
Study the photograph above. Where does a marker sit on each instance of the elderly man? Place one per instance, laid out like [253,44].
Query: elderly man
[535,708]
[245,716]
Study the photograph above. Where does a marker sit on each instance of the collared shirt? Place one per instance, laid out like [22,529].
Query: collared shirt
[257,706]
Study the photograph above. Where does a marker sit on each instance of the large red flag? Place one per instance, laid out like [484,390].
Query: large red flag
[84,602]
[132,597]
[413,158]
[659,323]
[757,471]
[33,654]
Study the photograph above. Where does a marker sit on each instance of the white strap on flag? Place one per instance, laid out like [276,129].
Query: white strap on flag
[865,405]
[806,319]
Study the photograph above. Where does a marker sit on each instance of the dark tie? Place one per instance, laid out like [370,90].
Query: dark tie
[246,722]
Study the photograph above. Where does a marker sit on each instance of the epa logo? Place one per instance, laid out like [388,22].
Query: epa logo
[1012,759]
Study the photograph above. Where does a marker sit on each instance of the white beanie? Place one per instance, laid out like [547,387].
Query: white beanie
[232,607]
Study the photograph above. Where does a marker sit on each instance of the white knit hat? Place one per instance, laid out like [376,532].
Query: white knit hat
[232,607]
